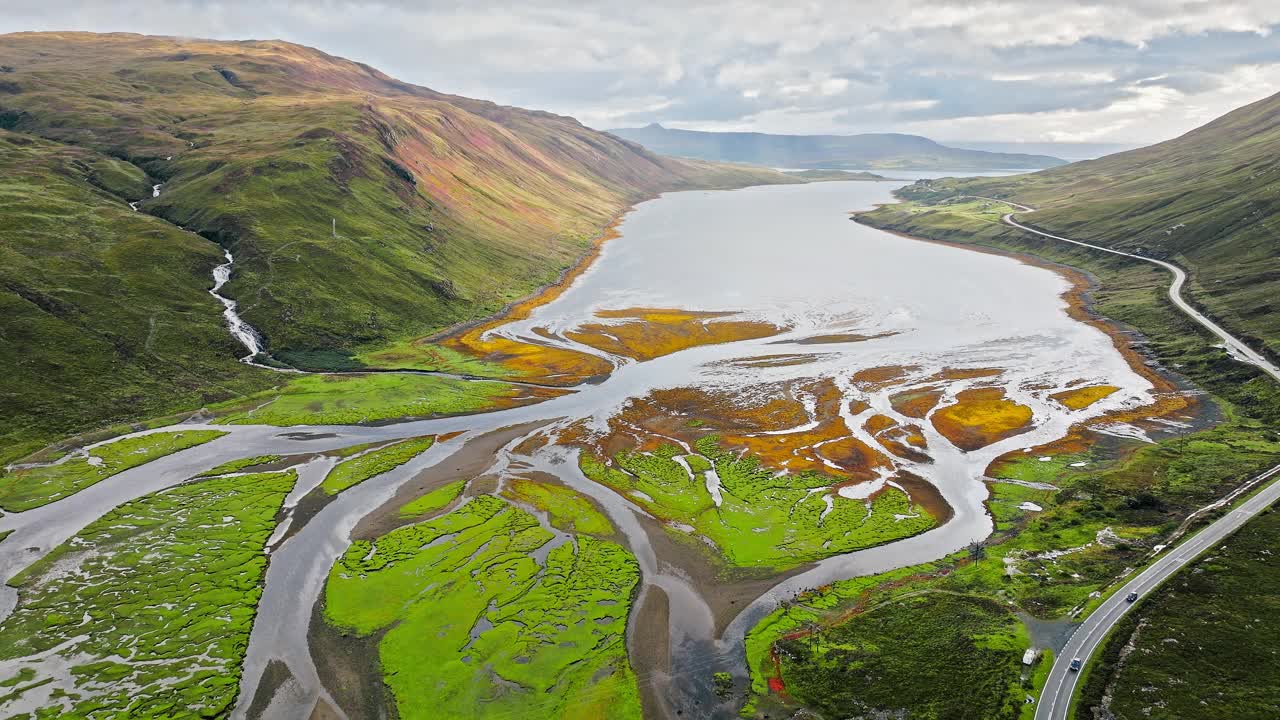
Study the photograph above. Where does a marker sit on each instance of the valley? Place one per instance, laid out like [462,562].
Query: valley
[333,396]
[650,459]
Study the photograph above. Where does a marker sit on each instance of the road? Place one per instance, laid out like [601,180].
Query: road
[1238,349]
[1055,700]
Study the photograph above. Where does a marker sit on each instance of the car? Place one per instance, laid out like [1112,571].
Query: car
[1075,665]
[1131,597]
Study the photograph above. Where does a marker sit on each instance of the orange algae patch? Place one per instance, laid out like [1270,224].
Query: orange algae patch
[684,415]
[878,377]
[980,417]
[877,424]
[541,363]
[550,365]
[915,403]
[1080,398]
[653,333]
[1081,435]
[815,448]
[965,373]
[905,441]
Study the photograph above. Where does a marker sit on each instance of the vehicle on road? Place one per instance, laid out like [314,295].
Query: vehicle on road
[1131,597]
[1075,665]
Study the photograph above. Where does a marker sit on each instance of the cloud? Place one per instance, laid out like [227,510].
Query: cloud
[1125,70]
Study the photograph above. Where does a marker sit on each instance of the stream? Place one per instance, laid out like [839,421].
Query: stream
[240,329]
[784,254]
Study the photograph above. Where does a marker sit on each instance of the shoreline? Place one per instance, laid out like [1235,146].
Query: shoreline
[521,309]
[1080,307]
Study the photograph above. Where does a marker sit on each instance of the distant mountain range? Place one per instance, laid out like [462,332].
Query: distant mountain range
[1069,151]
[873,151]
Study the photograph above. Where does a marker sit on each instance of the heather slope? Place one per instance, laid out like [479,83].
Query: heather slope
[1206,200]
[445,210]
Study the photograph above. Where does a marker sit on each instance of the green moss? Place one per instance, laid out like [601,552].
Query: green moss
[508,637]
[358,468]
[567,510]
[155,621]
[765,520]
[435,500]
[29,488]
[697,463]
[234,466]
[351,399]
[414,354]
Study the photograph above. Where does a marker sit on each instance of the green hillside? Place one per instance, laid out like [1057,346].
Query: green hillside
[1208,200]
[445,210]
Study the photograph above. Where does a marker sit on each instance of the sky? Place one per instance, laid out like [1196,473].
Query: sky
[1122,71]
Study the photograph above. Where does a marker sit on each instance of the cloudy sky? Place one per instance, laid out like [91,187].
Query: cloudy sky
[1129,71]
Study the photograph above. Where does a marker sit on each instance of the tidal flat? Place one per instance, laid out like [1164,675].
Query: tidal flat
[688,459]
[146,612]
[24,488]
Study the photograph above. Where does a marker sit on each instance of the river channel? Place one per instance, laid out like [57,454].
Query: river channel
[785,255]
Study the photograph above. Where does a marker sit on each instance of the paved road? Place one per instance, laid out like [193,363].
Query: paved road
[1055,701]
[1238,349]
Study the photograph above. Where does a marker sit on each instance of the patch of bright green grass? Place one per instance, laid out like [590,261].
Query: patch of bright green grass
[29,488]
[435,500]
[414,354]
[566,509]
[154,621]
[505,639]
[357,469]
[764,520]
[350,399]
[235,466]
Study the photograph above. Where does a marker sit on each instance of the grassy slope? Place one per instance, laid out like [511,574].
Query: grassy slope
[106,318]
[1205,646]
[1207,200]
[446,208]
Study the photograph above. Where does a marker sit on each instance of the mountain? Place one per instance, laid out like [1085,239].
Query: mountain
[1069,151]
[875,151]
[360,210]
[1208,200]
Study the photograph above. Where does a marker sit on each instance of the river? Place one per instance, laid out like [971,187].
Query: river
[788,255]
